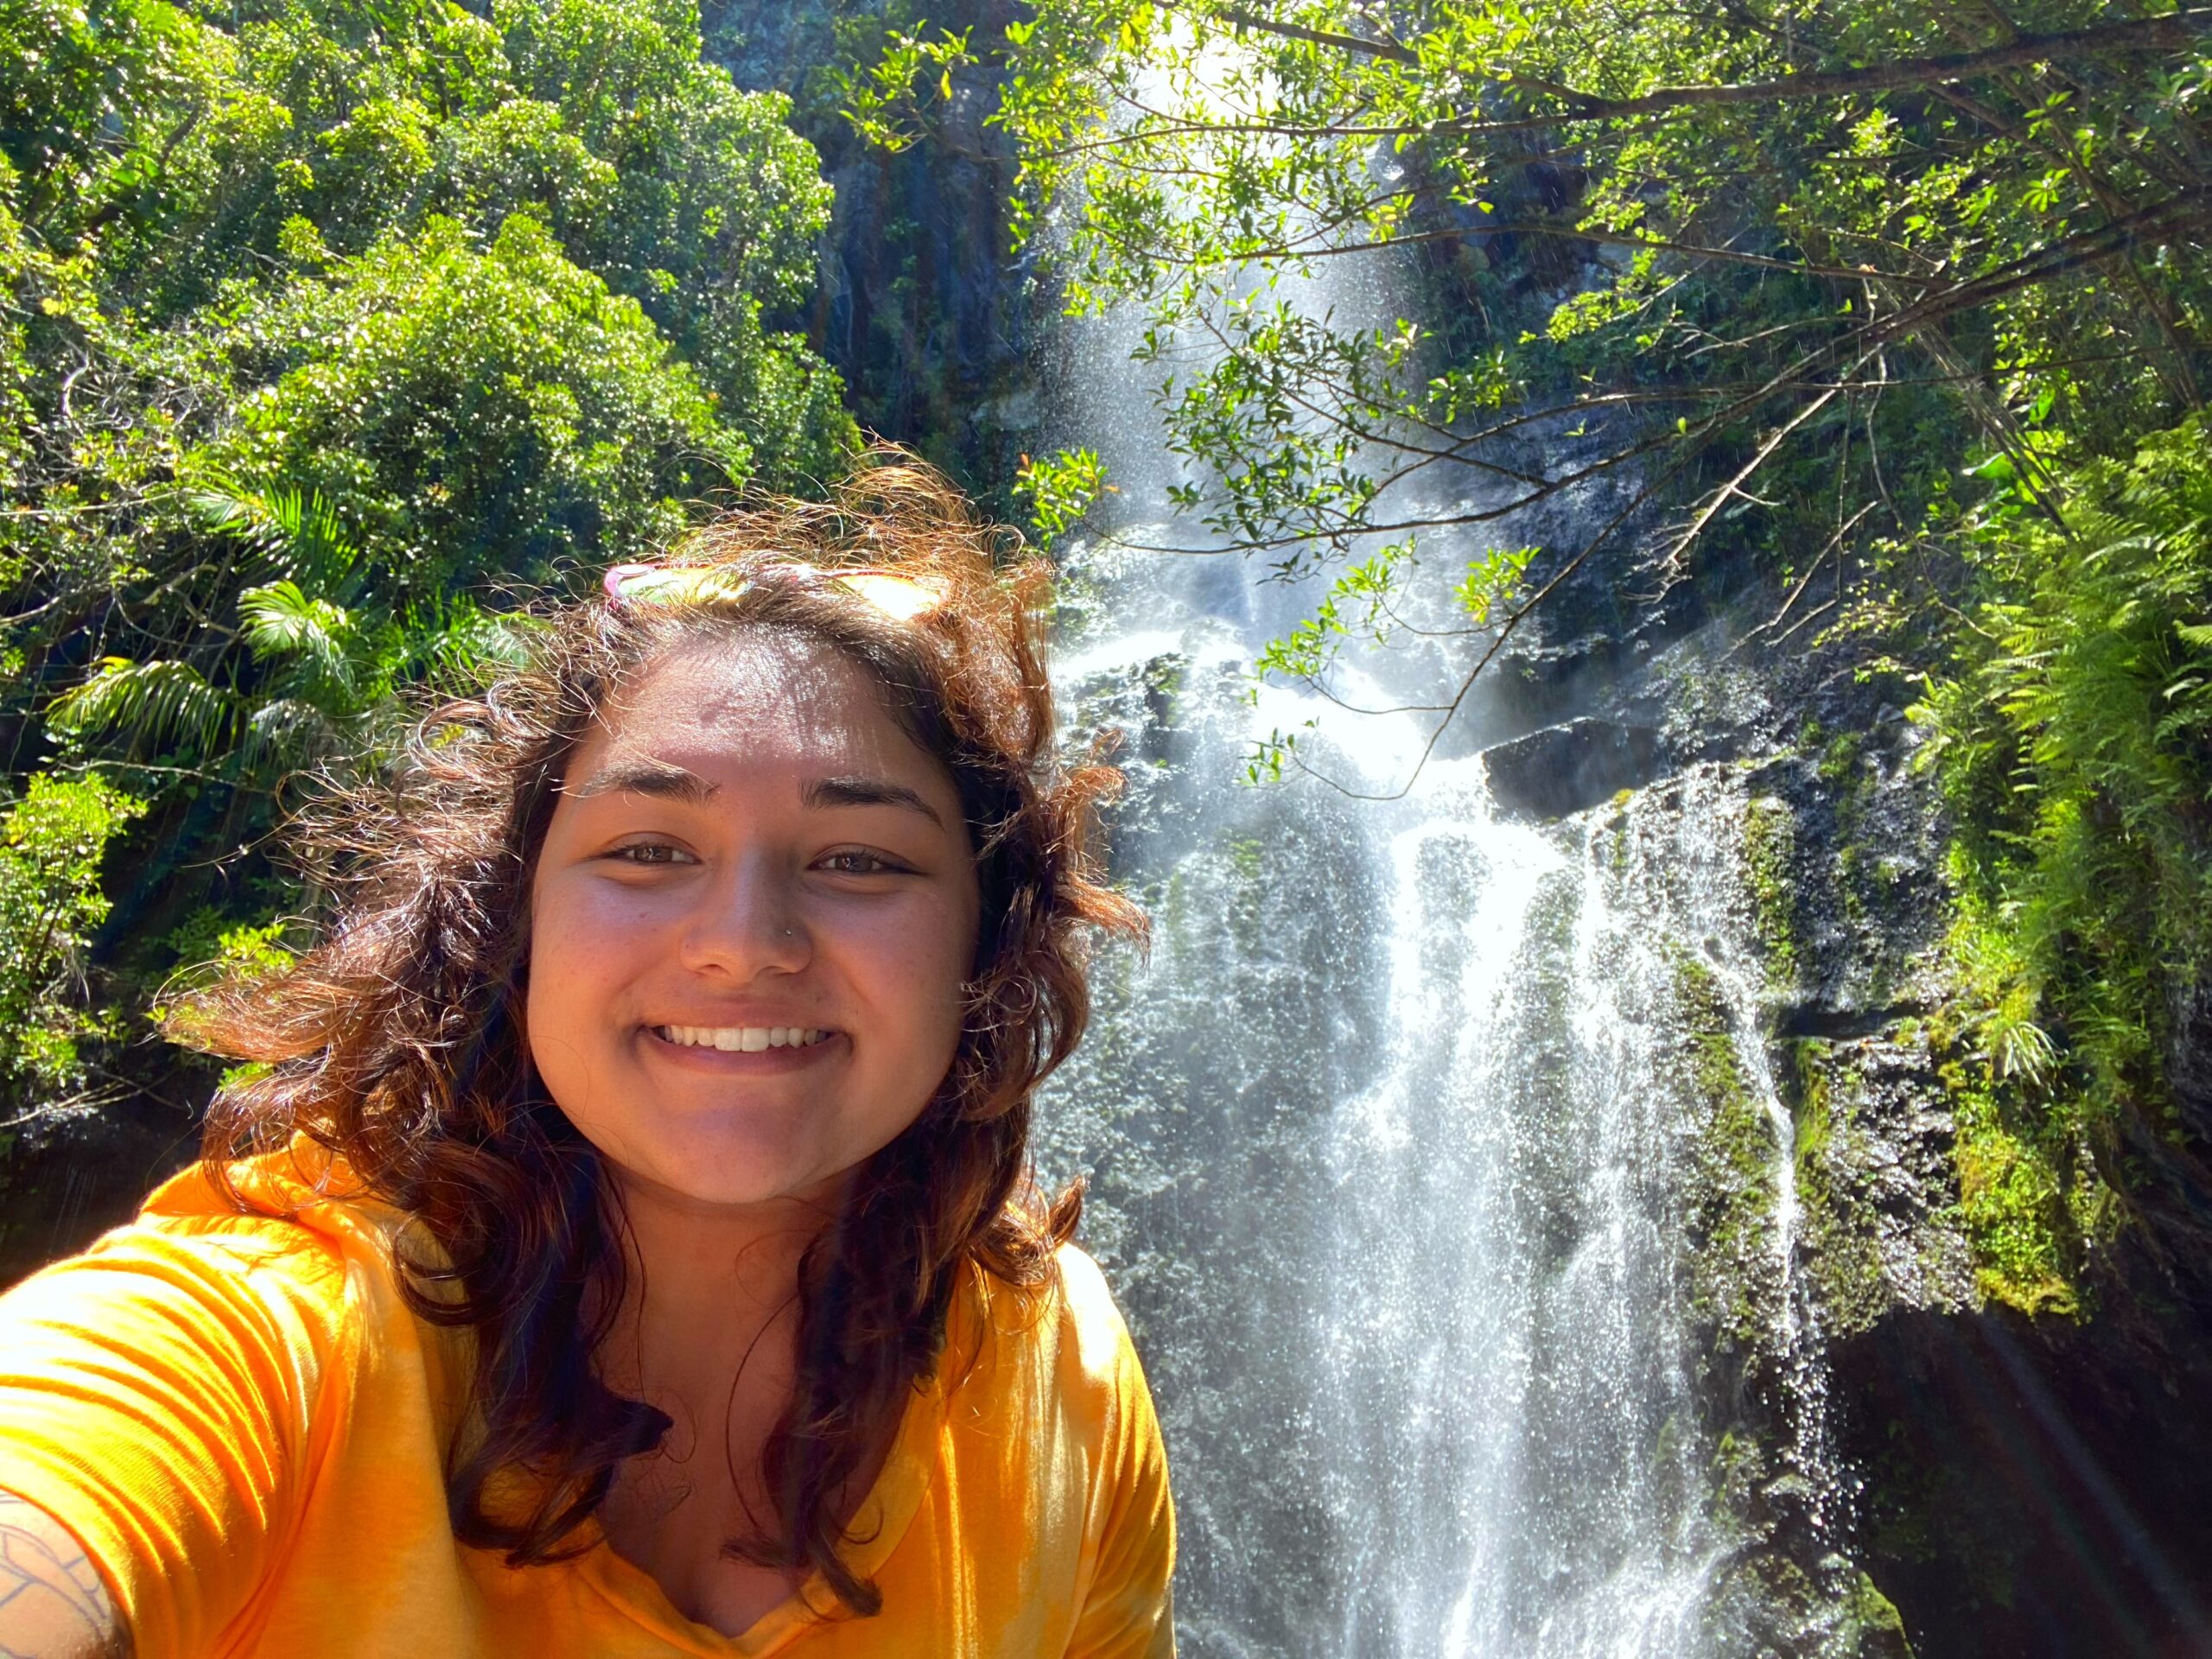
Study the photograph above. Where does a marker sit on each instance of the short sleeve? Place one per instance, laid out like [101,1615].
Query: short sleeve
[1129,1613]
[156,1397]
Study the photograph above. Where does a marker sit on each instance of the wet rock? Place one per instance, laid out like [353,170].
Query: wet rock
[2012,1484]
[2030,1486]
[920,304]
[74,1170]
[1874,1176]
[1569,767]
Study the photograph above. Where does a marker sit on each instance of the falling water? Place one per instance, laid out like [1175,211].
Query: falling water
[1388,1140]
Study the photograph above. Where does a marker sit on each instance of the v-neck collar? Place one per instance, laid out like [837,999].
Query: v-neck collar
[880,1522]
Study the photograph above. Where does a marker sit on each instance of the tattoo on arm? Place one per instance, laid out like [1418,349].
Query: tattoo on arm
[53,1604]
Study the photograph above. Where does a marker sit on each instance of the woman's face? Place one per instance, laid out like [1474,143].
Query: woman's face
[750,925]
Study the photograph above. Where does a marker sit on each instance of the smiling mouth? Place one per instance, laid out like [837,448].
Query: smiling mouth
[748,1039]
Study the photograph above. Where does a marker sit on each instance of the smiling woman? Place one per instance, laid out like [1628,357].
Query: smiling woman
[622,1241]
[747,846]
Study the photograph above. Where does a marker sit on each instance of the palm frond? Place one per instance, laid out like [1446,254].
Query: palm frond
[282,621]
[471,647]
[291,730]
[163,704]
[297,535]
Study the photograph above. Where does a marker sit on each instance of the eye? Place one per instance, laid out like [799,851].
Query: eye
[651,853]
[854,861]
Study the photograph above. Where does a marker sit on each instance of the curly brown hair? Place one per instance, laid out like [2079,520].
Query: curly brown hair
[396,1042]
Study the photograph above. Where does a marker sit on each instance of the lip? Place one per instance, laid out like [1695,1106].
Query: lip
[737,1061]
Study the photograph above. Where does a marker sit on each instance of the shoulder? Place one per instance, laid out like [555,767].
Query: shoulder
[1057,1351]
[1088,1316]
[290,1271]
[1128,1522]
[171,1395]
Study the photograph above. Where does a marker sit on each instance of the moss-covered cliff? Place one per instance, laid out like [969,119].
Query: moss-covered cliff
[2016,1361]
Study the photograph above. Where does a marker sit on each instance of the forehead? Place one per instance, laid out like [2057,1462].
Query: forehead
[761,698]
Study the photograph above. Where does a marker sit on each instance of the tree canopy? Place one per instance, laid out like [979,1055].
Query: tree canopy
[1785,269]
[324,322]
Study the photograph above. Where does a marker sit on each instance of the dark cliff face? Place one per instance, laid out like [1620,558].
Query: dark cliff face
[2023,1480]
[922,306]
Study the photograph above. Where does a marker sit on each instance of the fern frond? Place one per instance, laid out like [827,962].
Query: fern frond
[158,704]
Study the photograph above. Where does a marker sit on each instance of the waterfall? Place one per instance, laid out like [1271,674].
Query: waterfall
[1392,1135]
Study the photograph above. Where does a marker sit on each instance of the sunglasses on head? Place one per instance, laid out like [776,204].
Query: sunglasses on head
[902,598]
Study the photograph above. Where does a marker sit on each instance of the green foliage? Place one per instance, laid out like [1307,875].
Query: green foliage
[1493,582]
[325,326]
[498,410]
[887,97]
[1358,601]
[2073,740]
[1059,489]
[1769,845]
[1357,604]
[1731,1189]
[2017,1173]
[51,843]
[319,677]
[1778,269]
[373,235]
[211,939]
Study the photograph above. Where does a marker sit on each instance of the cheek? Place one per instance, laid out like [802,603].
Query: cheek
[572,959]
[553,962]
[922,968]
[584,933]
[955,967]
[549,986]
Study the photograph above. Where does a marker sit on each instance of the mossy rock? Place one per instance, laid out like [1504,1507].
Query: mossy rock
[1732,1199]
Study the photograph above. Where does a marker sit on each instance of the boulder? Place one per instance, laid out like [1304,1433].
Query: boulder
[1565,768]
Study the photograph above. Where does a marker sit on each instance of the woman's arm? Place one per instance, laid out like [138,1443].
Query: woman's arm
[52,1605]
[154,1403]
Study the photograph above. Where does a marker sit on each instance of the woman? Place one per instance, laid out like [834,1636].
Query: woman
[619,1242]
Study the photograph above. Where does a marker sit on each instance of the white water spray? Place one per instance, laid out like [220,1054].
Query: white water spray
[1390,1142]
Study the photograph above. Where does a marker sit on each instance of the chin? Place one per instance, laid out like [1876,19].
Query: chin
[739,1168]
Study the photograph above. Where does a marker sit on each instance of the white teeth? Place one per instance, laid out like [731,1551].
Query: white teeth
[749,1040]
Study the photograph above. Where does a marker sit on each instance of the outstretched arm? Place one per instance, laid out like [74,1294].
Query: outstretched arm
[52,1605]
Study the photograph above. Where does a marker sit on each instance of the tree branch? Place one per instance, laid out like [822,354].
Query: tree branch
[1389,50]
[2138,35]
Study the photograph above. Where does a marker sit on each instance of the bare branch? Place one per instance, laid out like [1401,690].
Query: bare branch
[1812,570]
[1734,487]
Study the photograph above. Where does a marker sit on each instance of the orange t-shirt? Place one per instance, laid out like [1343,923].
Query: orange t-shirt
[244,1425]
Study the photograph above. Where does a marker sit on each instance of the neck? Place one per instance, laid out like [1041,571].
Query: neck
[710,1291]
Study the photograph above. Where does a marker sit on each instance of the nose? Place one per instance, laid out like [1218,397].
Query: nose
[748,922]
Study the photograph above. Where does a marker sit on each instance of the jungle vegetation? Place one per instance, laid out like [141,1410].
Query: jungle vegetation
[326,326]
[329,326]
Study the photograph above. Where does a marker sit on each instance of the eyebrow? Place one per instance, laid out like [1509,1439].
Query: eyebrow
[658,778]
[647,778]
[866,791]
